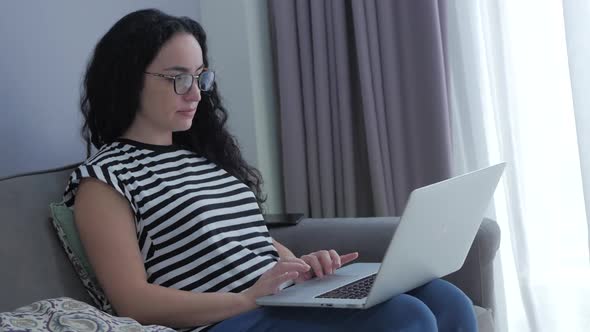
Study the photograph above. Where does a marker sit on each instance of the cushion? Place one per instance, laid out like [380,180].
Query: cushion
[66,314]
[63,222]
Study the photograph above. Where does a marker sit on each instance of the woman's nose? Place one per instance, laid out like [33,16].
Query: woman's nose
[194,93]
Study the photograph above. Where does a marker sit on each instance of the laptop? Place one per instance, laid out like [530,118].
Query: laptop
[432,240]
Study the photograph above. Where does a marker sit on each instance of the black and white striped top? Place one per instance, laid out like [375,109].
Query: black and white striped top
[198,228]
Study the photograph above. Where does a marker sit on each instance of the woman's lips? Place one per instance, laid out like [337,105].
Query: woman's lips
[188,112]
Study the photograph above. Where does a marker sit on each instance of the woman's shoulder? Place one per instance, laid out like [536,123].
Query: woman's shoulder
[103,160]
[102,166]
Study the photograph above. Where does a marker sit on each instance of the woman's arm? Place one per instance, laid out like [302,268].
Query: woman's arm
[105,222]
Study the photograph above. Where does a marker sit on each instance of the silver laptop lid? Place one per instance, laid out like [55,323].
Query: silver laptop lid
[436,231]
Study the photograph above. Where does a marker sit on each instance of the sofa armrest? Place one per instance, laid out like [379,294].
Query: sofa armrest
[370,237]
[476,276]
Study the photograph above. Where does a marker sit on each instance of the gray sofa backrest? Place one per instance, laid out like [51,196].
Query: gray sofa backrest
[34,265]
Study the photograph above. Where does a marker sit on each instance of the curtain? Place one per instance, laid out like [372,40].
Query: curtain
[362,102]
[510,93]
[577,27]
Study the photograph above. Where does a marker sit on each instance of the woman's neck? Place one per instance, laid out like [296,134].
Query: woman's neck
[145,134]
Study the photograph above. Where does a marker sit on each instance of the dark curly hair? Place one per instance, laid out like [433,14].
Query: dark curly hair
[120,59]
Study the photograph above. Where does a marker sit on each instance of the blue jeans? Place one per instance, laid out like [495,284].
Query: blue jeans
[436,306]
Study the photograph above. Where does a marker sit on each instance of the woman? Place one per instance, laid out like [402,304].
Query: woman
[168,210]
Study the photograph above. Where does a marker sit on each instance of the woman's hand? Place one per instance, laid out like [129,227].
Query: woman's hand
[324,262]
[269,282]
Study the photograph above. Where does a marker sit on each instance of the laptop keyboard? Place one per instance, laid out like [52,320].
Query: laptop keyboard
[355,290]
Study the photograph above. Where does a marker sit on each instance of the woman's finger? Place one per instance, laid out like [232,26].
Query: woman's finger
[345,259]
[314,262]
[293,260]
[325,261]
[335,259]
[284,267]
[303,277]
[300,278]
[283,278]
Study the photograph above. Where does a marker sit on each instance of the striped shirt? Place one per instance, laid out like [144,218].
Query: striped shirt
[198,227]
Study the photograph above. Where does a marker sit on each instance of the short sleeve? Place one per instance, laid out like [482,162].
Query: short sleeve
[101,173]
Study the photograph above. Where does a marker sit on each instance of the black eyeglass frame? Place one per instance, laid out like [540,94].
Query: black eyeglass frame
[194,78]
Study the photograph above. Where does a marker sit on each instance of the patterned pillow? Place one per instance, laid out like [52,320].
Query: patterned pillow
[67,315]
[63,222]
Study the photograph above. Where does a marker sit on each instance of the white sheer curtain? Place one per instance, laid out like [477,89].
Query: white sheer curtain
[511,100]
[577,23]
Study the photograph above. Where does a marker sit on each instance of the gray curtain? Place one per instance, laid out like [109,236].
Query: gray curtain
[363,103]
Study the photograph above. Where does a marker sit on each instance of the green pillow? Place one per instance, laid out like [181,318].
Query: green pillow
[63,222]
[64,216]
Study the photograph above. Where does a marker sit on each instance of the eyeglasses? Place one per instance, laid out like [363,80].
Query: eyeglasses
[184,82]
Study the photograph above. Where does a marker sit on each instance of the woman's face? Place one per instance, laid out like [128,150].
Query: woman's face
[162,111]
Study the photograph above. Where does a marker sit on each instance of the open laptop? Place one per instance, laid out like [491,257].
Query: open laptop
[432,240]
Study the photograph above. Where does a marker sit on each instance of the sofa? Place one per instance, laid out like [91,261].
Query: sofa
[35,266]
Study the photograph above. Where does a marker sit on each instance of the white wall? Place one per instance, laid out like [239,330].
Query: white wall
[45,46]
[240,53]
